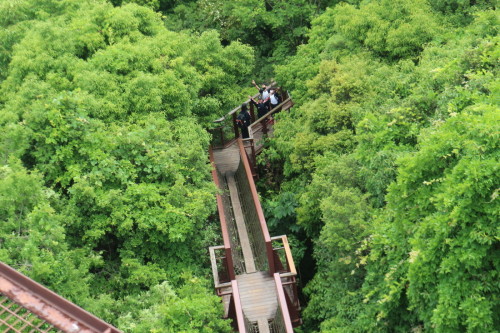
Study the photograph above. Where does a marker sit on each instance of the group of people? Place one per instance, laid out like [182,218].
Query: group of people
[268,99]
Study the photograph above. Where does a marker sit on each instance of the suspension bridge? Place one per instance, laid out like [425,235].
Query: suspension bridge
[254,273]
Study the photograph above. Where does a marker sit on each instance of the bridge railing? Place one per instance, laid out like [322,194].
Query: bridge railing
[282,321]
[261,124]
[254,215]
[228,261]
[261,127]
[283,259]
[226,131]
[285,266]
[234,240]
[235,311]
[220,268]
[26,305]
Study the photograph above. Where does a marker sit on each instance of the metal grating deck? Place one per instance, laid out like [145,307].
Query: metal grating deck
[26,306]
[16,319]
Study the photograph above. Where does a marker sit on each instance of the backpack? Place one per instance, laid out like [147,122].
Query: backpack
[278,97]
[240,120]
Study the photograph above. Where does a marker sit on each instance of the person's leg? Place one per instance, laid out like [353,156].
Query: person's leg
[244,133]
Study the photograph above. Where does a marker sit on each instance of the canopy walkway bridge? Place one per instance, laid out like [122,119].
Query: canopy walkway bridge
[254,273]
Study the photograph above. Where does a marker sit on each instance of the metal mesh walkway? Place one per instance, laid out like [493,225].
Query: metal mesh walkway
[261,298]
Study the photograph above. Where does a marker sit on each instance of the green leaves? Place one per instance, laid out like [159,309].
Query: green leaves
[393,160]
[106,110]
[389,29]
[189,309]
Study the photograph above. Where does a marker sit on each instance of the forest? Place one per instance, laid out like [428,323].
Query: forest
[384,175]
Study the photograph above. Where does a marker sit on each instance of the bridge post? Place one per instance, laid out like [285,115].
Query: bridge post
[252,112]
[235,126]
[264,125]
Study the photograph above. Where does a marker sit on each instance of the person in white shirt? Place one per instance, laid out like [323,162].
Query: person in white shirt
[273,98]
[263,90]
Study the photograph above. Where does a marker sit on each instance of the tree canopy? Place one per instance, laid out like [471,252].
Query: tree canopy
[384,175]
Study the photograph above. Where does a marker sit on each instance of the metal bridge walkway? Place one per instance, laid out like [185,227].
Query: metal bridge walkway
[255,279]
[257,289]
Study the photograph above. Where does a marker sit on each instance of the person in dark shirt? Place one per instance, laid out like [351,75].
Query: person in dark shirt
[243,120]
[261,105]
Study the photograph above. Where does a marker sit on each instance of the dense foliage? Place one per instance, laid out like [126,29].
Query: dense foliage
[105,178]
[393,156]
[384,175]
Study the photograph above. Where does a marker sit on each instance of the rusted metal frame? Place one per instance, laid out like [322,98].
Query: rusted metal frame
[296,301]
[293,309]
[226,144]
[215,272]
[258,208]
[231,313]
[282,303]
[213,261]
[278,265]
[287,283]
[223,221]
[220,132]
[23,319]
[229,290]
[252,157]
[288,254]
[291,283]
[238,308]
[254,160]
[292,299]
[49,306]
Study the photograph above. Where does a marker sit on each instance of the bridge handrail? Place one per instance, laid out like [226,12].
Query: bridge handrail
[240,317]
[265,117]
[223,221]
[231,115]
[290,269]
[215,271]
[282,305]
[48,305]
[258,207]
[261,124]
